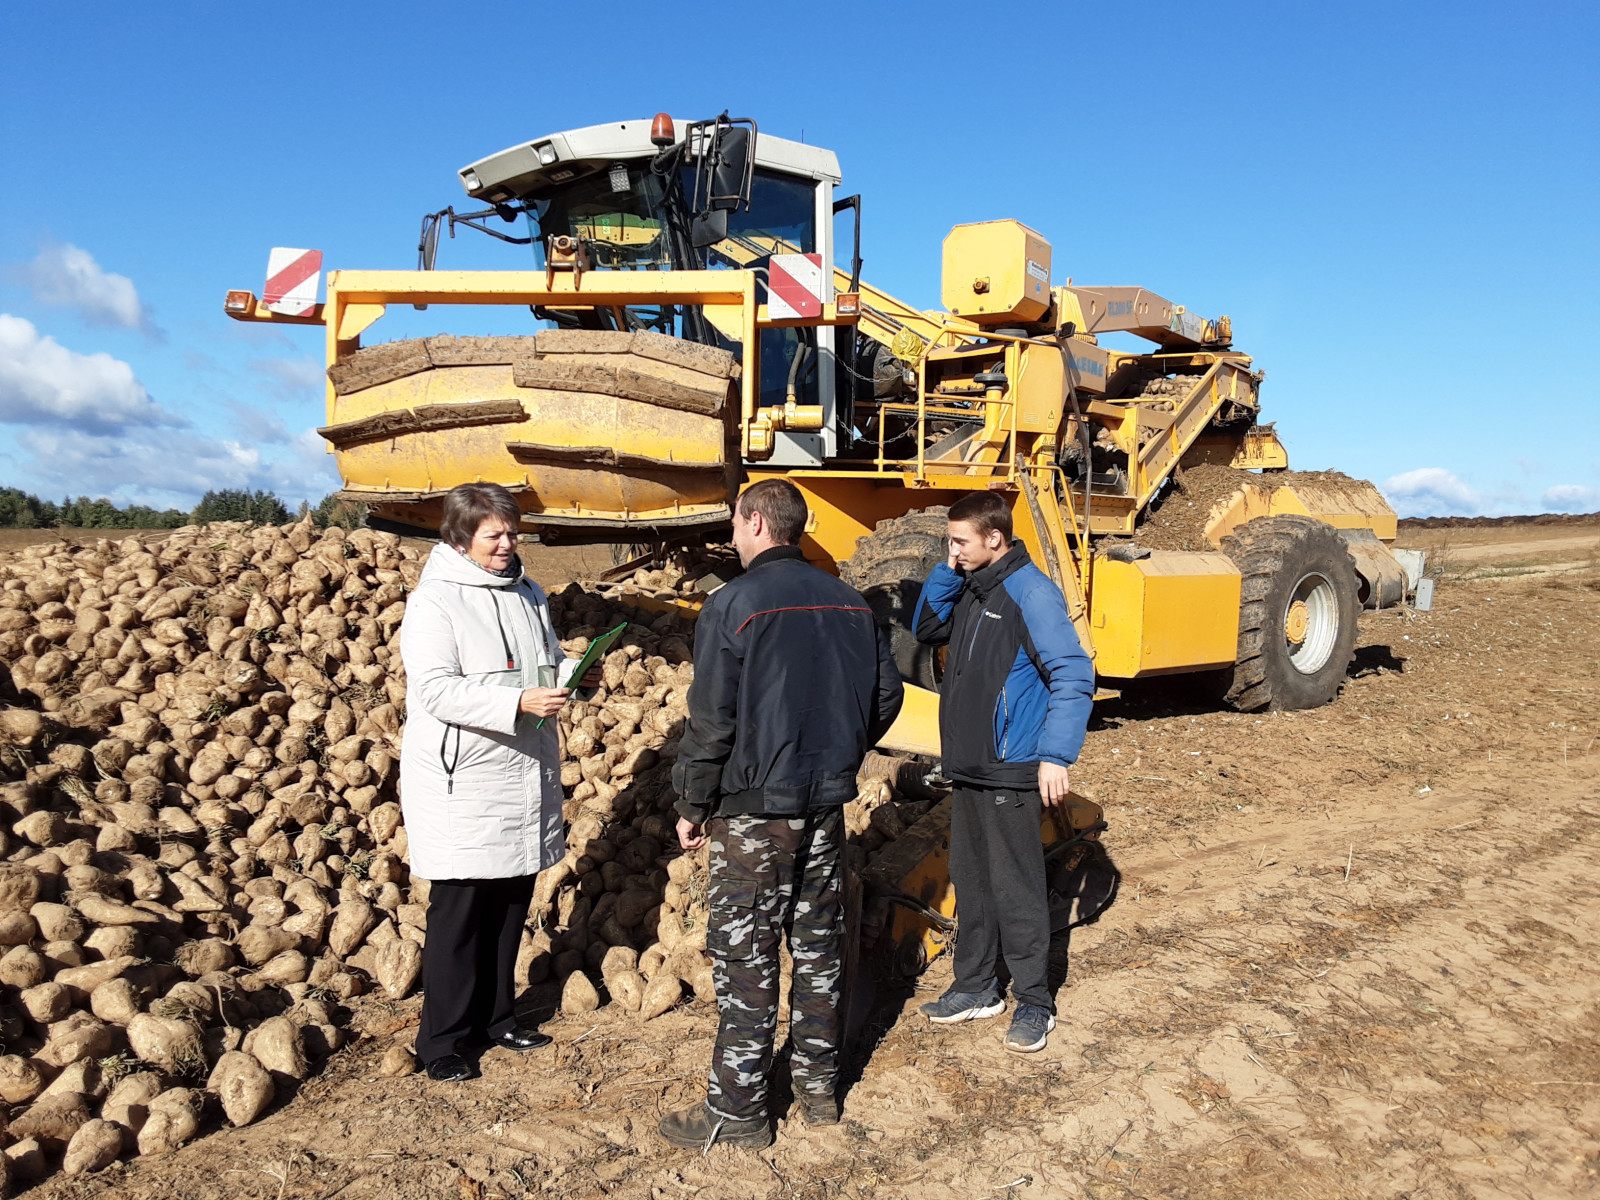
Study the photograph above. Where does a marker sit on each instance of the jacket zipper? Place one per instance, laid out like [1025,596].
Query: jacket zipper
[449,764]
[1003,702]
[977,624]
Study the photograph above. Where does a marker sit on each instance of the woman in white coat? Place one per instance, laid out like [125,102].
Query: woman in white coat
[480,785]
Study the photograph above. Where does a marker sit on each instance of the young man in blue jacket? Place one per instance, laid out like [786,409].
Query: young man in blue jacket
[1014,707]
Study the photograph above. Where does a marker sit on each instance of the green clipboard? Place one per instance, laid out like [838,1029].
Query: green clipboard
[598,649]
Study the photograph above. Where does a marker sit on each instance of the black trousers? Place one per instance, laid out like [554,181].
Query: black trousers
[997,866]
[469,962]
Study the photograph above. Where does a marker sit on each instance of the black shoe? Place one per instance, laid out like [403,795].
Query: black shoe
[818,1108]
[522,1039]
[698,1128]
[451,1068]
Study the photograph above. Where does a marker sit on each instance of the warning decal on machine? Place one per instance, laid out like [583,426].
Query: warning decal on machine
[794,286]
[292,277]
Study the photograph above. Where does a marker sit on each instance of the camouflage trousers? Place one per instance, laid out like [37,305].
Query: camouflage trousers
[772,877]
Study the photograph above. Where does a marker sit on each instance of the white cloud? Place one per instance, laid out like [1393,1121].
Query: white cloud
[1571,497]
[67,276]
[42,382]
[82,423]
[1432,492]
[172,469]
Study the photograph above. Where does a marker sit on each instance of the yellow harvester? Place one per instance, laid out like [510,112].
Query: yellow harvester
[697,334]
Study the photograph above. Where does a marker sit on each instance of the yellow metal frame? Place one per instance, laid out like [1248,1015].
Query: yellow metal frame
[356,299]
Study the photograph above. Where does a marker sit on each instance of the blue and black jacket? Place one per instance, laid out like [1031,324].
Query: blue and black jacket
[1017,685]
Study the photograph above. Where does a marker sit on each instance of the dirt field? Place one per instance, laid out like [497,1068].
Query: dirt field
[1351,957]
[1503,551]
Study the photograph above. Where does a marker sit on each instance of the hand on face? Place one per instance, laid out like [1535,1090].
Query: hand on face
[971,550]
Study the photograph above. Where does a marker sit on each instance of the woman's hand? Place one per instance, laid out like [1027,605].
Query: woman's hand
[543,702]
[592,678]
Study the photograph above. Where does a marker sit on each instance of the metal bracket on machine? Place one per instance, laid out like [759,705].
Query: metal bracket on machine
[428,243]
[563,252]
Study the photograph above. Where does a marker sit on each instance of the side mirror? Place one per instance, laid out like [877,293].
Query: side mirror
[730,168]
[709,228]
[428,245]
[724,173]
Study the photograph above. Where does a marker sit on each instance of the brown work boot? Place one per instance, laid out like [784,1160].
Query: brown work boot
[699,1128]
[818,1108]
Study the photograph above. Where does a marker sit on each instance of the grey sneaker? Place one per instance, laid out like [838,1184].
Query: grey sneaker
[1030,1029]
[956,1006]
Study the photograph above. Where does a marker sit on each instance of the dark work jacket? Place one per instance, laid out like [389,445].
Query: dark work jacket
[1017,685]
[793,684]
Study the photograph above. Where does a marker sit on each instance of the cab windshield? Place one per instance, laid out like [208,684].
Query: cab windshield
[632,221]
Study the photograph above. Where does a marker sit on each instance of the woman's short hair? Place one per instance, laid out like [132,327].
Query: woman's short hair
[467,505]
[986,512]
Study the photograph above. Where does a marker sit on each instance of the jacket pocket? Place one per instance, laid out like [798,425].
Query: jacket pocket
[1002,724]
[733,917]
[477,755]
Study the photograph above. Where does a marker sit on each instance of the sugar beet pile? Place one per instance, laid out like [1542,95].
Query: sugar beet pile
[204,863]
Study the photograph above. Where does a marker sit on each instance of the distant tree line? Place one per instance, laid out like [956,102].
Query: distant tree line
[262,508]
[23,510]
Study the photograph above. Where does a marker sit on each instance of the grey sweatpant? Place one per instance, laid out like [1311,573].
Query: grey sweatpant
[997,866]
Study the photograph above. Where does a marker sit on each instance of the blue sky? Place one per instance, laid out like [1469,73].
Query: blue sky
[1397,204]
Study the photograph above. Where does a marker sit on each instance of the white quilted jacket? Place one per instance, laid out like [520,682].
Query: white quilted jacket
[479,785]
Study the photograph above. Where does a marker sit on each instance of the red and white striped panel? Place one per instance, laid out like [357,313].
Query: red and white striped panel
[292,277]
[795,284]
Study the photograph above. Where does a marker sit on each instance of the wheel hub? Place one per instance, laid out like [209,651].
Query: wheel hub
[1311,623]
[1296,622]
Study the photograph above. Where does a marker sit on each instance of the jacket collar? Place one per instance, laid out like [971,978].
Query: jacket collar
[449,565]
[774,554]
[986,579]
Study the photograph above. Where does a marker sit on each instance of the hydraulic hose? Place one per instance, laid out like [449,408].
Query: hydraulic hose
[801,351]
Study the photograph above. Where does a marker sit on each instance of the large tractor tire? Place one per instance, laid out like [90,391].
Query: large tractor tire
[1297,614]
[888,568]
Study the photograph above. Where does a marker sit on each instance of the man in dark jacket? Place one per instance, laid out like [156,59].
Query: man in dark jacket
[793,684]
[1013,710]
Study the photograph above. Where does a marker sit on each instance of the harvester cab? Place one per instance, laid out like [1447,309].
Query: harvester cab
[669,195]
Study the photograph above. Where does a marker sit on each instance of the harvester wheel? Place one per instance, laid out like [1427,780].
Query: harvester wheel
[1297,614]
[888,568]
